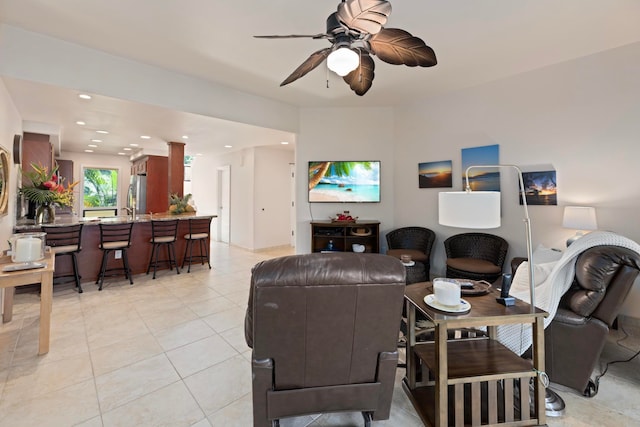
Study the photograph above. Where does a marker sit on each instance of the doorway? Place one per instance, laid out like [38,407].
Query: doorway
[224,203]
[292,213]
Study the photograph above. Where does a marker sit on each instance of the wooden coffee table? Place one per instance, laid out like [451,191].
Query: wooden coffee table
[471,381]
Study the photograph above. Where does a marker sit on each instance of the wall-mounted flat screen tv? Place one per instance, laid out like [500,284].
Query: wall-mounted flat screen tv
[335,182]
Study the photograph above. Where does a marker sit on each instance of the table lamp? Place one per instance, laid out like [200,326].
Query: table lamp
[26,250]
[579,218]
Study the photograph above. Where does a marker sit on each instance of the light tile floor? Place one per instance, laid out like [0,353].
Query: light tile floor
[171,352]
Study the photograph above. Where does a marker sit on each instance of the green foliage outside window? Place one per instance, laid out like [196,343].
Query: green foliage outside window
[100,188]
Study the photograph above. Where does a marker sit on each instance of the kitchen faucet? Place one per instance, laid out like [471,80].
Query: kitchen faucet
[130,211]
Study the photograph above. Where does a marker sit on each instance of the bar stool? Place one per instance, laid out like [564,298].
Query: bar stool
[66,240]
[198,232]
[163,233]
[115,237]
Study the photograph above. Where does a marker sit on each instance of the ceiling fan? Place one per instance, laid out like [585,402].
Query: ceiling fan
[356,31]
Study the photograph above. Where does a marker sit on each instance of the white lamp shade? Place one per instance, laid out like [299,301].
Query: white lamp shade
[580,218]
[469,209]
[342,61]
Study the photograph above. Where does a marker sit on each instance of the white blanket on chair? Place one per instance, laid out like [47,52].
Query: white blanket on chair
[552,280]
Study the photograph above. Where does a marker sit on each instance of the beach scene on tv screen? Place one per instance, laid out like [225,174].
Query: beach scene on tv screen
[344,181]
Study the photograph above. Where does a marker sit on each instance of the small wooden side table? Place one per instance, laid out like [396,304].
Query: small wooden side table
[472,381]
[44,276]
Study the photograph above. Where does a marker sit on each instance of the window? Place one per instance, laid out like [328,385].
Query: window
[100,192]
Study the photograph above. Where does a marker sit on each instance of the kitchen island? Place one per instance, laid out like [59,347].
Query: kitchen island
[90,256]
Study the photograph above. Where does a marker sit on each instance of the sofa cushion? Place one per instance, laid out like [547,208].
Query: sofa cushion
[473,265]
[415,254]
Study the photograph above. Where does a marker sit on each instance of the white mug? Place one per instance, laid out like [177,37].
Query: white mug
[357,247]
[446,292]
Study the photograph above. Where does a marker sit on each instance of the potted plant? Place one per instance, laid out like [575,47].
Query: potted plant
[46,191]
[179,205]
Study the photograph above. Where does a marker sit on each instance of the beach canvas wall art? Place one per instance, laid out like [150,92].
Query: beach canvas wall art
[540,188]
[344,181]
[481,179]
[435,174]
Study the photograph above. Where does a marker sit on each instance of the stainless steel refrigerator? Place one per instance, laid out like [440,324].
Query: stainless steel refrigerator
[137,194]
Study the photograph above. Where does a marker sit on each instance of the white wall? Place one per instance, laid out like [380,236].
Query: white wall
[82,160]
[580,116]
[256,177]
[10,125]
[73,66]
[272,183]
[344,134]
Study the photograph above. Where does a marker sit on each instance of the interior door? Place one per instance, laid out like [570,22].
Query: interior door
[292,214]
[224,203]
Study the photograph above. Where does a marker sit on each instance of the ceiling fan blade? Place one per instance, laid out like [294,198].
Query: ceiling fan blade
[366,16]
[294,36]
[312,62]
[399,47]
[361,79]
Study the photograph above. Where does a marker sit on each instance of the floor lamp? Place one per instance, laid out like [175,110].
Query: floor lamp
[481,209]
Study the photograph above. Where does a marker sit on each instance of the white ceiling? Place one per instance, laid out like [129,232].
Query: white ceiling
[475,42]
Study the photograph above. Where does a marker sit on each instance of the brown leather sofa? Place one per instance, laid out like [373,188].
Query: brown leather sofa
[324,333]
[576,336]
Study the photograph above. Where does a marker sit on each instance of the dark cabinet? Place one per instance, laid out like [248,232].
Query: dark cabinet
[37,150]
[341,236]
[156,169]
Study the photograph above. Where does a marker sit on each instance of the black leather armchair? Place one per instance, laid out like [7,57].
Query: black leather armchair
[324,332]
[576,336]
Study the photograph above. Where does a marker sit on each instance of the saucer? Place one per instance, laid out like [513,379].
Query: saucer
[409,264]
[431,301]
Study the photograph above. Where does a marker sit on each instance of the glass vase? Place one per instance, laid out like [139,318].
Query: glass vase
[45,214]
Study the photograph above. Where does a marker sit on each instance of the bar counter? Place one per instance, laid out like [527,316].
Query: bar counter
[90,256]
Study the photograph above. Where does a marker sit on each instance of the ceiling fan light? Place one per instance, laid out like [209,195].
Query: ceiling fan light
[342,61]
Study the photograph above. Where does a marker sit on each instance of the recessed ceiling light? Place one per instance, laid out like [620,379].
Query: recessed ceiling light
[228,146]
[80,123]
[127,149]
[122,154]
[104,132]
[284,143]
[84,96]
[185,136]
[96,140]
[145,137]
[133,145]
[93,146]
[88,151]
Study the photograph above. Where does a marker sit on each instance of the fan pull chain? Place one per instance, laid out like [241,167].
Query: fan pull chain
[326,70]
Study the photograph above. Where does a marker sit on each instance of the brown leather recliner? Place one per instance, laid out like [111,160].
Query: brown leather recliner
[576,336]
[324,332]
